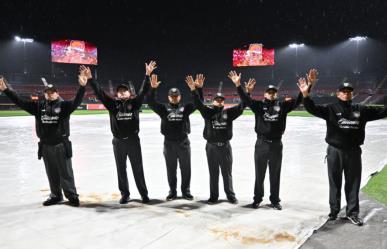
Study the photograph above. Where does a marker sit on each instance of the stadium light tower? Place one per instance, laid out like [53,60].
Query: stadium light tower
[296,46]
[24,41]
[357,40]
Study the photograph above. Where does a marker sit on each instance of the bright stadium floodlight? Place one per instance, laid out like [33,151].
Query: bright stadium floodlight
[358,38]
[25,40]
[296,45]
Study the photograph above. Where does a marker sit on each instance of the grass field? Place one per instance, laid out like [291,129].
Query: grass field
[88,112]
[376,188]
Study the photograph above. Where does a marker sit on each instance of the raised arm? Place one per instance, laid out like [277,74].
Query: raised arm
[153,103]
[317,110]
[27,105]
[199,81]
[372,113]
[145,83]
[245,97]
[72,105]
[310,79]
[106,100]
[204,110]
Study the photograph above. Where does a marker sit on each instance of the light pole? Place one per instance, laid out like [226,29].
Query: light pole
[296,46]
[357,39]
[24,40]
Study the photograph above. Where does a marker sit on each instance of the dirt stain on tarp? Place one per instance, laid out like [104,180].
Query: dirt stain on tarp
[182,212]
[248,240]
[44,190]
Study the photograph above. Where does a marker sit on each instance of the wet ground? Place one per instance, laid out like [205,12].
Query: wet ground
[101,222]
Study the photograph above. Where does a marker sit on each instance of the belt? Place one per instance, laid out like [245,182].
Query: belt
[219,144]
[269,140]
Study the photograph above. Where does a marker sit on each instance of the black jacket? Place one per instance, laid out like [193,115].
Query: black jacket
[270,116]
[175,124]
[51,117]
[124,114]
[218,121]
[345,121]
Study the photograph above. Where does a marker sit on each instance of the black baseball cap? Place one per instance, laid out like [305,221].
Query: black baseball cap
[271,87]
[174,92]
[126,87]
[219,96]
[345,85]
[50,87]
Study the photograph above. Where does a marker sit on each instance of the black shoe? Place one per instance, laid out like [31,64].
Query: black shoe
[232,200]
[124,199]
[332,217]
[355,220]
[74,202]
[255,204]
[52,201]
[145,199]
[276,206]
[212,201]
[171,197]
[188,197]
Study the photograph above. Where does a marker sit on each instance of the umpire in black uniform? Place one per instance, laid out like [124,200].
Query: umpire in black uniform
[52,115]
[345,134]
[175,126]
[218,133]
[125,126]
[270,125]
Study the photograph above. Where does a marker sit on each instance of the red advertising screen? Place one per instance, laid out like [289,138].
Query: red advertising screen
[256,55]
[73,51]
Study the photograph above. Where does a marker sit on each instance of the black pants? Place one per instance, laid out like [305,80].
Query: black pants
[349,162]
[59,171]
[267,153]
[124,148]
[175,151]
[220,155]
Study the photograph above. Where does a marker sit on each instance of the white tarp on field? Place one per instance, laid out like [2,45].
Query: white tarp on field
[101,222]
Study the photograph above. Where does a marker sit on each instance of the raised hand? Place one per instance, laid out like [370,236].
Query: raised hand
[3,83]
[303,86]
[312,76]
[236,78]
[82,79]
[199,81]
[250,85]
[150,67]
[190,82]
[85,71]
[153,81]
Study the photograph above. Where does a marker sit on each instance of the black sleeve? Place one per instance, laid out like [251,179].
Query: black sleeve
[71,105]
[27,105]
[154,105]
[106,100]
[190,107]
[235,111]
[143,91]
[204,110]
[254,105]
[316,110]
[293,103]
[372,113]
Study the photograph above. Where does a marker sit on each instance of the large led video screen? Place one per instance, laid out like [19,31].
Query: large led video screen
[256,55]
[74,52]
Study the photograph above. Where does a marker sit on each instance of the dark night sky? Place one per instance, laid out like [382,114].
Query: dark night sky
[190,36]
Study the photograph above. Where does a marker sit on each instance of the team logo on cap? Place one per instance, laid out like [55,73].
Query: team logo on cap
[346,84]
